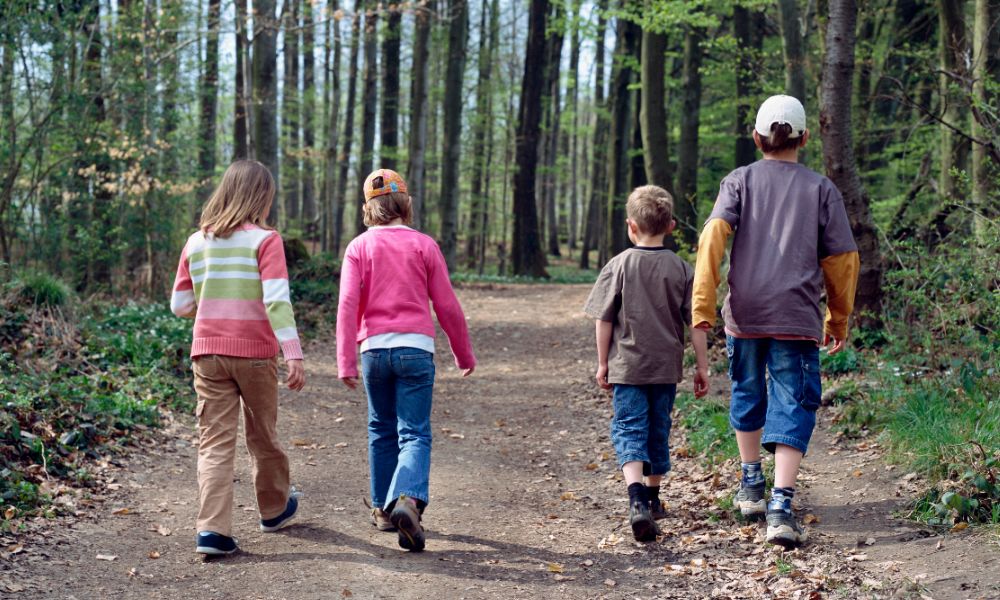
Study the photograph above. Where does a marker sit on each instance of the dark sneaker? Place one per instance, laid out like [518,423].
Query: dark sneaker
[643,526]
[750,500]
[406,518]
[380,520]
[782,529]
[214,544]
[272,525]
[656,509]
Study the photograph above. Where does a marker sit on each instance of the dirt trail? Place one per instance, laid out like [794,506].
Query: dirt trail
[525,501]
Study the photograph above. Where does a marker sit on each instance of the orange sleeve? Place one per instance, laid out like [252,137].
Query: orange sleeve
[840,275]
[711,249]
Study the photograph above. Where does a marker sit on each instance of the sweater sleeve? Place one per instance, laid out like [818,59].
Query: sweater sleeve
[448,310]
[840,275]
[277,300]
[711,249]
[349,314]
[182,300]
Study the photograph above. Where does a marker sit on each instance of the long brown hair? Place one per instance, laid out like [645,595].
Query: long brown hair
[244,196]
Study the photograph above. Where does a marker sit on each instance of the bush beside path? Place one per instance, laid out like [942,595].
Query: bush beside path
[526,500]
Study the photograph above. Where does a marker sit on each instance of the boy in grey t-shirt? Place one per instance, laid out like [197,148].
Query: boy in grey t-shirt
[642,302]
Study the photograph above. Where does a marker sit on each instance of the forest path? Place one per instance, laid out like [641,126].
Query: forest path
[525,501]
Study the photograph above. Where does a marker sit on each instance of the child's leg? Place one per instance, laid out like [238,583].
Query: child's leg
[414,391]
[661,404]
[218,422]
[793,397]
[748,407]
[383,442]
[786,466]
[258,379]
[630,430]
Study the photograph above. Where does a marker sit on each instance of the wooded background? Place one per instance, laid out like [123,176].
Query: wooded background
[519,125]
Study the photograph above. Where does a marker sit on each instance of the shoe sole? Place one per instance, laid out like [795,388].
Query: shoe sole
[644,530]
[783,535]
[752,510]
[213,551]
[411,537]
[272,528]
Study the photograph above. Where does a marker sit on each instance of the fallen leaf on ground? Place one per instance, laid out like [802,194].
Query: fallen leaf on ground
[858,473]
[457,436]
[610,582]
[346,593]
[559,577]
[121,511]
[567,496]
[16,549]
[9,513]
[164,531]
[154,554]
[959,527]
[108,557]
[857,557]
[300,442]
[555,568]
[340,445]
[810,519]
[590,466]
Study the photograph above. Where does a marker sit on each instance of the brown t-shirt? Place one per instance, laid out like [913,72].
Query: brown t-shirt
[785,219]
[646,294]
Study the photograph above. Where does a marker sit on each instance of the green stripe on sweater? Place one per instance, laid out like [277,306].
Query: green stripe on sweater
[229,289]
[280,315]
[223,268]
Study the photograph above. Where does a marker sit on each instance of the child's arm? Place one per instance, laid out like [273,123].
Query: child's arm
[449,312]
[711,249]
[278,304]
[182,300]
[348,318]
[604,331]
[840,275]
[699,339]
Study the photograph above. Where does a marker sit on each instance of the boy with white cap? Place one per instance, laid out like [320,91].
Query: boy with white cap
[791,238]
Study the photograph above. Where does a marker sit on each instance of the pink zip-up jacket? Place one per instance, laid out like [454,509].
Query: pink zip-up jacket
[387,277]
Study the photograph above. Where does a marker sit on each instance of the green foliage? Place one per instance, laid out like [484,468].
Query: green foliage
[315,284]
[40,289]
[706,423]
[846,361]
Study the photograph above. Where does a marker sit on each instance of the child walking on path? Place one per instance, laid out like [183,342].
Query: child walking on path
[642,302]
[232,279]
[791,236]
[388,275]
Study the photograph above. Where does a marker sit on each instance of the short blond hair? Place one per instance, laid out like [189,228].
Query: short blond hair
[652,209]
[387,207]
[244,196]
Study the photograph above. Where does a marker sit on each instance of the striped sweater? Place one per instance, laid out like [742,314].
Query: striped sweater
[237,291]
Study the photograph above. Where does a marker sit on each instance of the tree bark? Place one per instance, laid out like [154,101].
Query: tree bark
[838,153]
[458,33]
[340,200]
[332,92]
[526,252]
[390,88]
[686,199]
[618,146]
[748,27]
[418,110]
[985,63]
[652,112]
[308,121]
[265,92]
[572,97]
[240,127]
[550,176]
[953,48]
[793,46]
[209,88]
[292,147]
[599,189]
[368,102]
[480,125]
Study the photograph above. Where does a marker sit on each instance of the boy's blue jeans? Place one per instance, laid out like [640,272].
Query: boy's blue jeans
[776,386]
[400,386]
[640,428]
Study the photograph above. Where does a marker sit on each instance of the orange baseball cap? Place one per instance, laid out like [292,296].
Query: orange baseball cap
[391,182]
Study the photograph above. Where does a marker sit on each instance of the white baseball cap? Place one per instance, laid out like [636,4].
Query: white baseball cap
[781,109]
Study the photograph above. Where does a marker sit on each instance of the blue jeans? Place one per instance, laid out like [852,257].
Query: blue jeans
[400,386]
[776,386]
[640,428]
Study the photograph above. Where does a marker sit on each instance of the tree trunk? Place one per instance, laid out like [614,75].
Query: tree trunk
[748,27]
[838,152]
[985,65]
[418,109]
[953,47]
[652,112]
[686,199]
[485,225]
[593,227]
[550,178]
[458,33]
[572,97]
[390,88]
[308,122]
[368,101]
[526,251]
[480,125]
[331,91]
[621,132]
[793,46]
[265,92]
[209,88]
[292,147]
[240,127]
[340,200]
[637,161]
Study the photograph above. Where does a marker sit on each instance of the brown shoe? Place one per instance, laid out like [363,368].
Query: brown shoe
[380,520]
[406,518]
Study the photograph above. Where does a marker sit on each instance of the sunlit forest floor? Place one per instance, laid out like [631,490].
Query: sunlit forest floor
[526,501]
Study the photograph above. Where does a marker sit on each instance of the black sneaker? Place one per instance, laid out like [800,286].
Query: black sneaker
[643,526]
[782,528]
[272,525]
[656,509]
[214,544]
[406,519]
[750,500]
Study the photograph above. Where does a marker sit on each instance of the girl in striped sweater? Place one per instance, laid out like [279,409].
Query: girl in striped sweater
[232,279]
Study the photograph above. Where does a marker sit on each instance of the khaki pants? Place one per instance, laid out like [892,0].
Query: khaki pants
[221,382]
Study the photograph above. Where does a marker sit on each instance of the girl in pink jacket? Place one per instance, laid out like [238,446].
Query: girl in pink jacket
[388,275]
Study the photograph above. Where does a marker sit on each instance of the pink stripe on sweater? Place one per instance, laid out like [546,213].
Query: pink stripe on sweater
[236,310]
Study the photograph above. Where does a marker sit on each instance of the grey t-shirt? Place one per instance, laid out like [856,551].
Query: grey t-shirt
[646,294]
[785,218]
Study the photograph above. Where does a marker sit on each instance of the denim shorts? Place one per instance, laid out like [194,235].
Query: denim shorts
[776,386]
[640,428]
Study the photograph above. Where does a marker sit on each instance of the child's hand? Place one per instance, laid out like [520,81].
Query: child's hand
[701,382]
[351,382]
[602,377]
[296,375]
[838,345]
[467,372]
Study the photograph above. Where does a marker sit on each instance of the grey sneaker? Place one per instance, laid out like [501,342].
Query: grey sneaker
[380,520]
[782,528]
[643,526]
[750,500]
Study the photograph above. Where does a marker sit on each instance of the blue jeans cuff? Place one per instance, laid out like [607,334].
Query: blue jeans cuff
[659,468]
[632,457]
[743,427]
[770,440]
